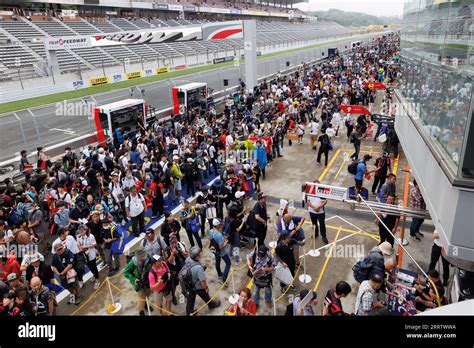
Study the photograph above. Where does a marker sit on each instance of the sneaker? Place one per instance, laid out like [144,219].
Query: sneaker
[111,273]
[81,284]
[141,313]
[301,242]
[92,279]
[414,236]
[214,304]
[269,304]
[72,299]
[325,240]
[78,300]
[174,301]
[419,234]
[96,284]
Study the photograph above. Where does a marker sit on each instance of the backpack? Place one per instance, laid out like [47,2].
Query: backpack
[365,267]
[185,278]
[214,247]
[325,140]
[352,168]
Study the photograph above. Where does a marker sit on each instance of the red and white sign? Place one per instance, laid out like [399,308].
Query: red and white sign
[374,85]
[326,191]
[354,109]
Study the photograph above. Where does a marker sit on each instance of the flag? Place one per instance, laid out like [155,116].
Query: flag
[374,85]
[354,109]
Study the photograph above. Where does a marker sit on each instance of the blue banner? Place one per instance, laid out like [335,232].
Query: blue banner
[78,84]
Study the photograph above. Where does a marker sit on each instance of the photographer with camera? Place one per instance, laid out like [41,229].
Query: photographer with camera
[136,272]
[175,256]
[261,265]
[159,278]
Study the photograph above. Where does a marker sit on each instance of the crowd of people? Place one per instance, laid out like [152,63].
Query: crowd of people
[66,214]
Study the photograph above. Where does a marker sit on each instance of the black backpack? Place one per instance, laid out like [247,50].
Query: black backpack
[185,278]
[214,247]
[352,168]
[363,269]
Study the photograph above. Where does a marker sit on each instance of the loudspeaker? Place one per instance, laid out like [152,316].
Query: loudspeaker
[226,82]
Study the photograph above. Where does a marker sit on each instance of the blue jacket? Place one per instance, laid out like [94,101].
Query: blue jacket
[261,156]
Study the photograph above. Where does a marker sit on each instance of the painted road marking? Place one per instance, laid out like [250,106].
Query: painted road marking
[331,162]
[346,157]
[327,261]
[67,131]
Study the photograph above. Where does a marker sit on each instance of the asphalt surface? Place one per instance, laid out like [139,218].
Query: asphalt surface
[49,125]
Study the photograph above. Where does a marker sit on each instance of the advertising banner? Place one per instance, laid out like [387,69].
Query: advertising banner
[67,42]
[117,78]
[354,109]
[78,84]
[148,72]
[162,70]
[188,8]
[326,191]
[134,75]
[103,80]
[175,7]
[224,30]
[374,85]
[180,67]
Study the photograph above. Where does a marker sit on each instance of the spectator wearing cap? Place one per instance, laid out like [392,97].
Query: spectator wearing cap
[87,245]
[38,268]
[159,278]
[261,217]
[135,209]
[9,264]
[261,265]
[307,310]
[175,256]
[78,215]
[109,235]
[14,281]
[61,217]
[71,244]
[170,227]
[190,172]
[219,242]
[153,244]
[285,254]
[261,156]
[200,286]
[175,175]
[361,171]
[135,271]
[63,266]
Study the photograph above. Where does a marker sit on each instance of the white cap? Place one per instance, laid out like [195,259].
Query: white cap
[175,158]
[190,160]
[216,222]
[239,194]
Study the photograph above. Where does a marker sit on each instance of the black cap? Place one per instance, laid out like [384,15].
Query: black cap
[367,157]
[262,250]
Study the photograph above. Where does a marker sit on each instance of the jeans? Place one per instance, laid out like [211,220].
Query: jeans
[321,220]
[256,294]
[190,189]
[385,235]
[93,268]
[228,263]
[192,299]
[108,259]
[275,150]
[415,226]
[138,224]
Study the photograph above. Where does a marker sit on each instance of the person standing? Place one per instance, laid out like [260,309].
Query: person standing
[135,271]
[261,265]
[416,202]
[38,225]
[383,168]
[391,221]
[314,130]
[356,138]
[366,301]
[261,156]
[160,283]
[318,216]
[332,301]
[199,282]
[135,209]
[436,253]
[220,251]
[325,141]
[261,217]
[156,194]
[361,171]
[285,254]
[87,245]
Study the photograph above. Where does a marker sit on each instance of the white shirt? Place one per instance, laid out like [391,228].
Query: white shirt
[331,132]
[88,241]
[135,204]
[70,243]
[316,201]
[229,141]
[124,161]
[314,127]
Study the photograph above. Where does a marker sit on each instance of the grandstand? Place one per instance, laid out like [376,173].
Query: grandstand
[22,51]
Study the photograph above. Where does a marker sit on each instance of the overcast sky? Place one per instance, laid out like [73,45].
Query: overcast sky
[373,7]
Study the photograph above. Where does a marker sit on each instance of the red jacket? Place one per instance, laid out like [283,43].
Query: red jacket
[10,266]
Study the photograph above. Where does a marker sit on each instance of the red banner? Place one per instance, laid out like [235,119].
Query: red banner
[354,109]
[374,85]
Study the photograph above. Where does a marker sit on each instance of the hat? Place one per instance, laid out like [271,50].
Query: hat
[101,150]
[216,222]
[367,157]
[35,258]
[284,234]
[82,227]
[239,194]
[175,158]
[190,160]
[12,276]
[175,152]
[385,154]
[217,183]
[262,250]
[114,174]
[57,246]
[386,248]
[157,258]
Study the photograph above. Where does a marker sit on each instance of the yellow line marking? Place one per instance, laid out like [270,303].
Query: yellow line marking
[362,233]
[326,262]
[346,157]
[331,162]
[352,150]
[395,165]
